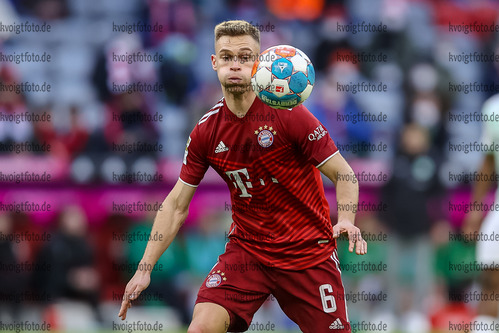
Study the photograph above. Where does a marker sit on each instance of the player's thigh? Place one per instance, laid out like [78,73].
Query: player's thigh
[314,298]
[209,318]
[237,283]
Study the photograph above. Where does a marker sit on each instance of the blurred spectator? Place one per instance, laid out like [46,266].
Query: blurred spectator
[69,255]
[11,282]
[449,304]
[364,281]
[112,250]
[45,10]
[167,281]
[12,104]
[70,142]
[125,123]
[205,242]
[410,195]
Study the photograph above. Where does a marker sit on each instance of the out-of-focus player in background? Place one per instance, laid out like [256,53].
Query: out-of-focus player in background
[282,232]
[487,250]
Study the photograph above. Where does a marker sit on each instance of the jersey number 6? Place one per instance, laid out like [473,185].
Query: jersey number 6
[328,301]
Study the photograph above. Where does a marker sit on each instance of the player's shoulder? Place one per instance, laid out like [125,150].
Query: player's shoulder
[299,115]
[287,113]
[300,109]
[211,113]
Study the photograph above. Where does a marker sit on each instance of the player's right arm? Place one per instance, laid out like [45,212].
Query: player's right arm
[170,218]
[481,187]
[168,221]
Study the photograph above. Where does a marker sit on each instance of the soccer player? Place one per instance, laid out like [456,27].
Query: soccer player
[282,241]
[487,250]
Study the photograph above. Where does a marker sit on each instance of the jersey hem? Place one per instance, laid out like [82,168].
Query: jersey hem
[327,159]
[187,183]
[300,267]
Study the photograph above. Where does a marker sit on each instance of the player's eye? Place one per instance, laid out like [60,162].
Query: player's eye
[244,58]
[226,57]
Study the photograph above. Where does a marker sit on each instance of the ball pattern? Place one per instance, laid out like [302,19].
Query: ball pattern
[283,77]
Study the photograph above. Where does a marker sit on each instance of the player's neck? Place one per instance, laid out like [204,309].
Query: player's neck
[239,104]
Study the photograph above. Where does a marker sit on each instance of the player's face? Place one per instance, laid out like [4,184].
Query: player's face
[233,62]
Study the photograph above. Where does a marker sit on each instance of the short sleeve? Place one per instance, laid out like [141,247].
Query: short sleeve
[310,135]
[194,164]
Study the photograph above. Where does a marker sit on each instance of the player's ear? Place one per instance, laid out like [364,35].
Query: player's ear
[214,62]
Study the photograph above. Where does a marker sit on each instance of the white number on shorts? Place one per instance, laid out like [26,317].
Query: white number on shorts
[328,301]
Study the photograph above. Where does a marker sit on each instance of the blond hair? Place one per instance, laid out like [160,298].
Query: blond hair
[236,28]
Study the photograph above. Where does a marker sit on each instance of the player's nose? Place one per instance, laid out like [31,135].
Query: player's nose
[236,64]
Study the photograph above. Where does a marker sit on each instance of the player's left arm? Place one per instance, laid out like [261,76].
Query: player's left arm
[347,196]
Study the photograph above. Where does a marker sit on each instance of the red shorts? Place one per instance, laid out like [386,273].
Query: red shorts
[313,298]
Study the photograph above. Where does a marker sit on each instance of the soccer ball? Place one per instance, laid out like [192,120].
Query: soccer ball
[283,77]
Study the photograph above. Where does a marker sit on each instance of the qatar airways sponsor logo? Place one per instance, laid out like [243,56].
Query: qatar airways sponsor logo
[317,134]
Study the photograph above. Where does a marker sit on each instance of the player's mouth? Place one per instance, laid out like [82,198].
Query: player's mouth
[234,79]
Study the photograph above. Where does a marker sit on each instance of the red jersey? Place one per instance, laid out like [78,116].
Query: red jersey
[269,160]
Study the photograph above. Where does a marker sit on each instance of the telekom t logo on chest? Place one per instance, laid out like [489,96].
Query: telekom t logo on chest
[243,186]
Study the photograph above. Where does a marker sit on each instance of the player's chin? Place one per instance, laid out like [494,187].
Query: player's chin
[237,88]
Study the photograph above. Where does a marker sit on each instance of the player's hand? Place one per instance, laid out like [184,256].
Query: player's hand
[472,222]
[139,282]
[354,236]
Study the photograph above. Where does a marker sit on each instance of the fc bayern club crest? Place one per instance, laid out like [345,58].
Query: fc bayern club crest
[215,278]
[265,136]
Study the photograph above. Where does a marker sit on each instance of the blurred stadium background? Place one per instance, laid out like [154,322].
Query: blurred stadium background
[89,255]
